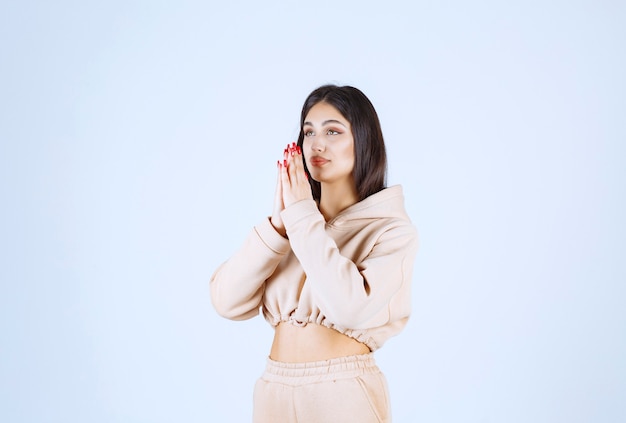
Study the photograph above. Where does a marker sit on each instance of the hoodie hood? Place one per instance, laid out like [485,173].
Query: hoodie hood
[385,204]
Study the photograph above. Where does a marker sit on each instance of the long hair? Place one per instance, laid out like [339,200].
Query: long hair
[370,157]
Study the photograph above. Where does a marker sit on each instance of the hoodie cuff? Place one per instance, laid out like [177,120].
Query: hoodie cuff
[304,209]
[272,239]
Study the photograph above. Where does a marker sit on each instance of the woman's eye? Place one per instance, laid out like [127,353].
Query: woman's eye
[332,132]
[308,133]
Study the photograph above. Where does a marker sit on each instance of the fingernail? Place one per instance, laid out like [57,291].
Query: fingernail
[277,163]
[299,150]
[285,163]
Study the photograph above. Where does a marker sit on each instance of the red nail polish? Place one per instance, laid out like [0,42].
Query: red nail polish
[298,149]
[285,163]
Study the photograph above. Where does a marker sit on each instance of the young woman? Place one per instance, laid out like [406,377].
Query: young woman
[330,269]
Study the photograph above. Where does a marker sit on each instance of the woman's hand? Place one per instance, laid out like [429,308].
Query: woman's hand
[293,179]
[292,184]
[276,220]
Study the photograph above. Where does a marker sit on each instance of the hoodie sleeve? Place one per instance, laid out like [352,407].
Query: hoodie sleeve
[351,294]
[237,286]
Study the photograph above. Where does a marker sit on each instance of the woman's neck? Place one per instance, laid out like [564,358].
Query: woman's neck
[336,198]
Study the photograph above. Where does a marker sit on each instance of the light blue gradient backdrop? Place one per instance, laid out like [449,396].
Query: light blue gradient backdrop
[138,143]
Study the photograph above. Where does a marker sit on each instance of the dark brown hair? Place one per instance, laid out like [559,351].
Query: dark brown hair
[370,157]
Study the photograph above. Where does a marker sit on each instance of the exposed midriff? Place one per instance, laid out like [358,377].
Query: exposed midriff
[312,342]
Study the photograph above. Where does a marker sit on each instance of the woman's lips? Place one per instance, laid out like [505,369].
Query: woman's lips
[318,161]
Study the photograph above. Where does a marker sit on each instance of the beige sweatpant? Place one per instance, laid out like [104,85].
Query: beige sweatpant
[346,389]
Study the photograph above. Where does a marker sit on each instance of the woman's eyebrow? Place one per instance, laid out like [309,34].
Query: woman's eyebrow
[326,122]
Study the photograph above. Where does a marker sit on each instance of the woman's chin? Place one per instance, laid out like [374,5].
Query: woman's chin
[315,176]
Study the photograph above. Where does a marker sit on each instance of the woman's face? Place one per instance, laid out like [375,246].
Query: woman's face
[328,145]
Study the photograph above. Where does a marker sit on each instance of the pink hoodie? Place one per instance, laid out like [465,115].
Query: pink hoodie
[352,274]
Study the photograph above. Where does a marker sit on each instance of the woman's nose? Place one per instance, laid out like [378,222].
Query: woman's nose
[317,144]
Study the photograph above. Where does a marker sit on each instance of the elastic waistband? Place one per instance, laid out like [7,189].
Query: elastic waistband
[316,371]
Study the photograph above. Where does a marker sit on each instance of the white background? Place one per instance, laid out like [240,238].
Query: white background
[138,143]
